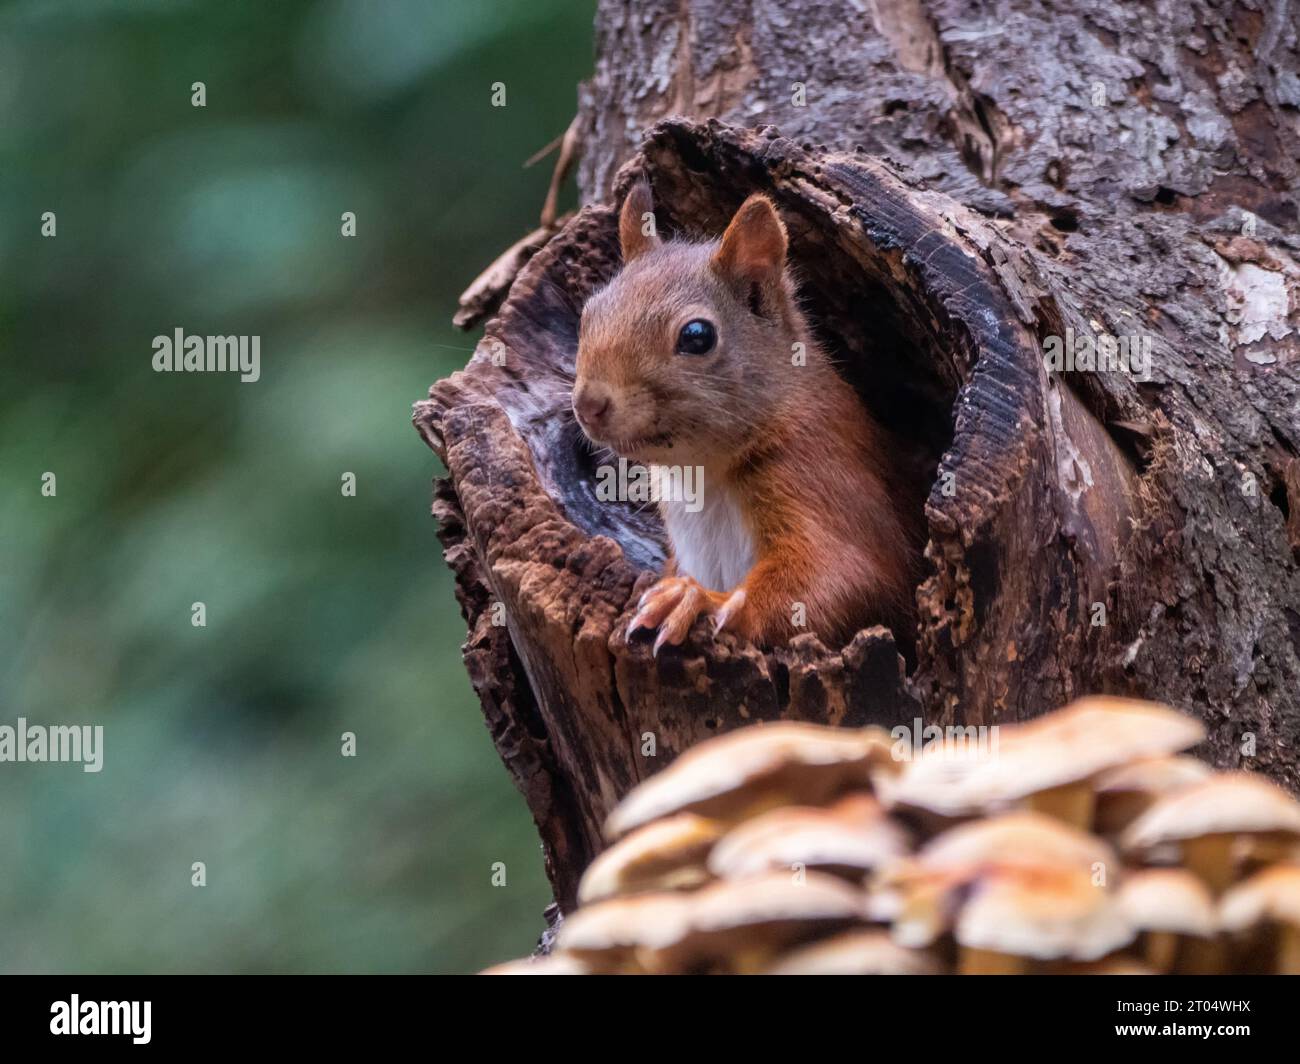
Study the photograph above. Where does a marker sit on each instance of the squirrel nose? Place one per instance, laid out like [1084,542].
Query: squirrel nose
[592,403]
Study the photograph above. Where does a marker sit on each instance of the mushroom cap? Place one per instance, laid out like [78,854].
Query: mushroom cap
[1044,913]
[864,952]
[1153,775]
[1226,803]
[1273,894]
[1015,839]
[626,925]
[919,895]
[773,898]
[553,964]
[857,835]
[1167,899]
[1126,792]
[768,764]
[734,921]
[673,931]
[1070,745]
[667,854]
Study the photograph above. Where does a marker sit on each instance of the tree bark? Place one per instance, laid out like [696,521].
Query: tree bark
[964,184]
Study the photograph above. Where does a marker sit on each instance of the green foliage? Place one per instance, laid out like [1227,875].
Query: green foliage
[325,614]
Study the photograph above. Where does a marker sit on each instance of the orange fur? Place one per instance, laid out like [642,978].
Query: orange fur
[809,468]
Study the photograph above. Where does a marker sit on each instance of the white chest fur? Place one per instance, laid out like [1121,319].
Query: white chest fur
[712,540]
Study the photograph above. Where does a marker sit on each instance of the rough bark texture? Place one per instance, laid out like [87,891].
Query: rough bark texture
[1107,168]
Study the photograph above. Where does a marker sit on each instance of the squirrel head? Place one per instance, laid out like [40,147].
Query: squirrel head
[681,356]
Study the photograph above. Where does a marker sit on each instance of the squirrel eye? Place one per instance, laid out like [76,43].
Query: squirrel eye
[698,337]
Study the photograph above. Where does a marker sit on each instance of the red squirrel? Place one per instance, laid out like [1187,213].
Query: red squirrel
[698,354]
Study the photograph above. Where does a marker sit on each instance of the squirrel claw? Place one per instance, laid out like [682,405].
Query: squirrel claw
[653,608]
[729,609]
[671,605]
[691,601]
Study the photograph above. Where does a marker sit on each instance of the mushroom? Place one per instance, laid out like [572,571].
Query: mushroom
[554,964]
[1272,895]
[1165,904]
[755,769]
[625,934]
[1017,838]
[667,854]
[853,836]
[740,924]
[1046,764]
[919,894]
[1205,819]
[733,924]
[1015,915]
[1126,792]
[865,952]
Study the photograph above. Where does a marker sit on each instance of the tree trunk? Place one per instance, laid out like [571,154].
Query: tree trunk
[1084,168]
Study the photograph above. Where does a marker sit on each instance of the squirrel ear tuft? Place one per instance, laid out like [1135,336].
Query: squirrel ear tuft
[753,247]
[636,222]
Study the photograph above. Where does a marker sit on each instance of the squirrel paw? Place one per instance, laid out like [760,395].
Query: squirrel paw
[673,603]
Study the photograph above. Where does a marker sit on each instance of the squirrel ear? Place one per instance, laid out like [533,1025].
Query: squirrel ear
[753,247]
[636,222]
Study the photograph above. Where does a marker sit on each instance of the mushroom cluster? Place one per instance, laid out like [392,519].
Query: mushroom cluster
[1084,841]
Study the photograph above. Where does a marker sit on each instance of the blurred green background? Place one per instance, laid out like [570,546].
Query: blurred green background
[325,614]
